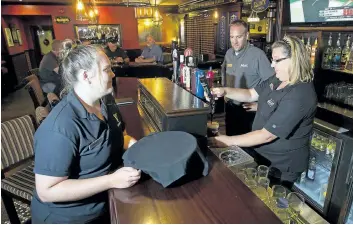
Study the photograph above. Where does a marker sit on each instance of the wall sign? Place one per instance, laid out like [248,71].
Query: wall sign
[62,19]
[259,5]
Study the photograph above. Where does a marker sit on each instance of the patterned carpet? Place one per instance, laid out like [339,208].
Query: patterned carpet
[23,212]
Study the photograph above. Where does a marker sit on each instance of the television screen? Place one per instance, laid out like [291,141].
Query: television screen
[321,11]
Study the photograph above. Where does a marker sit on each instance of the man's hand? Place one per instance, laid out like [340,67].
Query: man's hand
[119,59]
[124,177]
[220,141]
[139,59]
[250,107]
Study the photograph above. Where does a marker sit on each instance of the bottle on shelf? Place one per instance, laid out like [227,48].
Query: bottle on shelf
[327,56]
[313,54]
[336,56]
[210,77]
[181,71]
[349,63]
[302,177]
[345,53]
[302,39]
[308,46]
[312,169]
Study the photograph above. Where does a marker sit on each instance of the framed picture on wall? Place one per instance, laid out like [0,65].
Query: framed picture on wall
[8,36]
[97,33]
[19,36]
[233,16]
[14,35]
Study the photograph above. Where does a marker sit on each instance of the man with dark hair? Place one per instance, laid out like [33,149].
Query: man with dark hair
[116,53]
[244,66]
[49,78]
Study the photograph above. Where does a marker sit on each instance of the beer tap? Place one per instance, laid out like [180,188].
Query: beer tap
[207,89]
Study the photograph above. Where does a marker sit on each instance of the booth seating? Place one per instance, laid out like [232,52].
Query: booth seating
[17,152]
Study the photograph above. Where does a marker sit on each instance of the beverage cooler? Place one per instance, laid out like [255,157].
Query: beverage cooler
[327,185]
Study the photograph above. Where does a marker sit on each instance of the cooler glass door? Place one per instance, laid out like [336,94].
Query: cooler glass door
[316,183]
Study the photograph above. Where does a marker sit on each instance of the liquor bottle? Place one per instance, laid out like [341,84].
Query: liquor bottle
[327,56]
[308,46]
[345,53]
[303,39]
[349,63]
[336,56]
[312,169]
[302,177]
[181,70]
[210,77]
[313,54]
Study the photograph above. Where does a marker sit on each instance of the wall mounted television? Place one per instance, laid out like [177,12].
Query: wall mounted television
[325,12]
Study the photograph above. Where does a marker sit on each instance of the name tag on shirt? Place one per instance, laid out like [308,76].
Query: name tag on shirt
[229,65]
[117,119]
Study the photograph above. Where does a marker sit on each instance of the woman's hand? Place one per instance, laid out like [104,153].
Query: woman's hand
[216,92]
[250,107]
[220,141]
[128,141]
[124,177]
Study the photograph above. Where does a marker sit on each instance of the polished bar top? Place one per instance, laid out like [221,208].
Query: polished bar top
[172,98]
[219,197]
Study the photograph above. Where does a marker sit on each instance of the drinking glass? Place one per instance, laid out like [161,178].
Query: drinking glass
[323,192]
[295,203]
[252,184]
[251,173]
[262,171]
[262,189]
[278,197]
[242,176]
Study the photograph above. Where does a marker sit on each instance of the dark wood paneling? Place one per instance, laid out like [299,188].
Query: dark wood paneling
[21,66]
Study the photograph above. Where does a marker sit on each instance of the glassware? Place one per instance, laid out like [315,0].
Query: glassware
[251,173]
[262,189]
[323,192]
[278,196]
[262,171]
[295,203]
[252,184]
[242,176]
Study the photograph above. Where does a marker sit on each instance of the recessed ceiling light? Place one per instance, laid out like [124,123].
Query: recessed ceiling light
[20,0]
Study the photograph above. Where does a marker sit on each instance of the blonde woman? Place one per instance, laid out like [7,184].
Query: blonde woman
[285,114]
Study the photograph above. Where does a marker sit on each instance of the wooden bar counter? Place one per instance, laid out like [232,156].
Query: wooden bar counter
[219,197]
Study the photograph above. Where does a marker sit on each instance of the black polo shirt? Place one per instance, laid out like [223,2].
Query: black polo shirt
[119,52]
[72,142]
[289,114]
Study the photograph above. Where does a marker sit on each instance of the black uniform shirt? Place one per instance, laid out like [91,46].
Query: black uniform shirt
[289,114]
[117,53]
[72,142]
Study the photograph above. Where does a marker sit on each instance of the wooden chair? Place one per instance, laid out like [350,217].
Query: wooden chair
[35,91]
[16,150]
[34,71]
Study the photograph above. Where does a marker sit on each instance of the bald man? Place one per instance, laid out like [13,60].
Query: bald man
[151,53]
[49,78]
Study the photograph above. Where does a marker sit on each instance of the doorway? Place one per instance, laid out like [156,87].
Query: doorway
[42,37]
